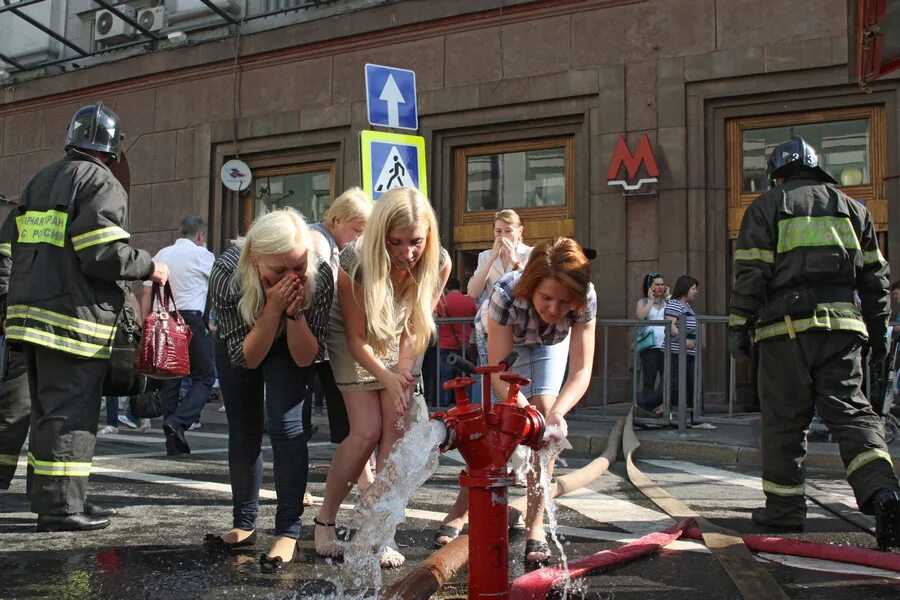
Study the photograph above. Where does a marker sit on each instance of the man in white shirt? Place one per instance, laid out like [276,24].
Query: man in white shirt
[190,265]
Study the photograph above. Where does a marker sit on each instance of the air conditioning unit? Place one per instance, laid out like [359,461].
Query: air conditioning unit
[110,28]
[152,19]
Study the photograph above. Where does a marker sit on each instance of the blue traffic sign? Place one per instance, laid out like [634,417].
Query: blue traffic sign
[392,160]
[391,97]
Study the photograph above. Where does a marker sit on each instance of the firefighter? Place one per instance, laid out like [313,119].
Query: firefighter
[803,248]
[69,249]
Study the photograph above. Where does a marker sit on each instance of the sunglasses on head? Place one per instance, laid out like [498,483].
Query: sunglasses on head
[651,277]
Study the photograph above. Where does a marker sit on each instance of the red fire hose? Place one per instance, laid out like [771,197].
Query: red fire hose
[537,584]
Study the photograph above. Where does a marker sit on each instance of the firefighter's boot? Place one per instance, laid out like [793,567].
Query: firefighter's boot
[887,519]
[784,518]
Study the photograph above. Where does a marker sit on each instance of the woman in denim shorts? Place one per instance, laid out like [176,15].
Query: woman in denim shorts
[547,314]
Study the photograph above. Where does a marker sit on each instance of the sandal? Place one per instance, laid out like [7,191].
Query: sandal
[332,549]
[536,547]
[270,564]
[215,543]
[446,531]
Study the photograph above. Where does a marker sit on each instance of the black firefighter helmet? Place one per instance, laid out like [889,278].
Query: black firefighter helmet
[95,127]
[792,156]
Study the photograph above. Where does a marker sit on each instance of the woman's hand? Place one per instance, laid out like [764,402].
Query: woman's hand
[294,307]
[495,249]
[283,294]
[557,428]
[506,247]
[397,385]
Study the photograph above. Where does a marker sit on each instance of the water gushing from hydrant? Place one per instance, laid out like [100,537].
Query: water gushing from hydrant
[547,458]
[382,507]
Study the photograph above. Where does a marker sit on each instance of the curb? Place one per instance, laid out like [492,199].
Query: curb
[594,445]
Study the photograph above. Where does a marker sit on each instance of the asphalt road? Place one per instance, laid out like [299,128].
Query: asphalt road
[153,549]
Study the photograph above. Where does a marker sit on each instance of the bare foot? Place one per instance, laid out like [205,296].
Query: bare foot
[236,536]
[307,499]
[391,559]
[325,540]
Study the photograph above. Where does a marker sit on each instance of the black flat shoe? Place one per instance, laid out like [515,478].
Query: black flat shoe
[271,564]
[215,543]
[176,438]
[75,522]
[95,510]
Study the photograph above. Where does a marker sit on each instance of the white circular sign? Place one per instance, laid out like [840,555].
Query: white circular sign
[236,175]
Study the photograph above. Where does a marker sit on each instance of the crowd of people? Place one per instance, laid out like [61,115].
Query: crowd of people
[349,302]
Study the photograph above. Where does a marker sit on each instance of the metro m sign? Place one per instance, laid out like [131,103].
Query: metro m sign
[632,163]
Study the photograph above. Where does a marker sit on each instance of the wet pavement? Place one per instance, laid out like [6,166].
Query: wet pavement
[153,549]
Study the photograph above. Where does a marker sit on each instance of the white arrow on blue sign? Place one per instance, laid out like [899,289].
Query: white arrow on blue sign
[391,97]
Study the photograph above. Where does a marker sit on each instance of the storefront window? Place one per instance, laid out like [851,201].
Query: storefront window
[526,179]
[308,188]
[843,148]
[851,143]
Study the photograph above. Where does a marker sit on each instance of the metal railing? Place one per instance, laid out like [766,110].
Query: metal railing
[676,413]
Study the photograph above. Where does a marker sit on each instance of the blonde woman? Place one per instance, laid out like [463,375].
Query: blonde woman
[381,322]
[266,291]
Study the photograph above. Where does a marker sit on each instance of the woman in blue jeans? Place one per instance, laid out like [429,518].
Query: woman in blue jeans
[263,290]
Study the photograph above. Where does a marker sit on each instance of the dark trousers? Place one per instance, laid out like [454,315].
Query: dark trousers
[829,381]
[656,398]
[653,361]
[65,406]
[282,386]
[338,422]
[447,372]
[15,414]
[182,413]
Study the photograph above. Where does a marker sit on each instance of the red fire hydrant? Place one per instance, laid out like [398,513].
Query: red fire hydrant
[487,440]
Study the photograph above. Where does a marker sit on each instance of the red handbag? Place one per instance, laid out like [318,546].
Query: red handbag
[164,348]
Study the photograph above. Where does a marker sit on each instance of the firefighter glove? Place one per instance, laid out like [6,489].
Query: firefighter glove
[739,344]
[877,329]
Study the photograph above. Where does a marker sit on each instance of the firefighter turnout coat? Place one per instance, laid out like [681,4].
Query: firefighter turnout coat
[802,250]
[69,250]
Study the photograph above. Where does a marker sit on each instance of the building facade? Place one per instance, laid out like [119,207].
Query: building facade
[522,104]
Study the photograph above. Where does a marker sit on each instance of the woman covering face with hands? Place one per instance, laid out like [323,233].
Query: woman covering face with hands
[380,325]
[263,289]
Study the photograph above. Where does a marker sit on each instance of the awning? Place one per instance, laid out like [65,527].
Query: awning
[877,39]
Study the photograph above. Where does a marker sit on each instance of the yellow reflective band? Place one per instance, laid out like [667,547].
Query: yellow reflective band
[99,236]
[49,340]
[736,321]
[822,320]
[783,490]
[43,227]
[6,249]
[9,459]
[766,256]
[804,232]
[59,469]
[21,311]
[873,257]
[865,458]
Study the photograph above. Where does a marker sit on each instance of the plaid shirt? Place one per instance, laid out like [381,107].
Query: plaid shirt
[524,320]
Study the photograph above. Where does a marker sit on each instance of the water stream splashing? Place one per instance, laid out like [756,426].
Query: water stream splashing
[382,507]
[547,457]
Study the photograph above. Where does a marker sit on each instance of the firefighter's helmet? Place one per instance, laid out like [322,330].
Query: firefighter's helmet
[792,156]
[95,127]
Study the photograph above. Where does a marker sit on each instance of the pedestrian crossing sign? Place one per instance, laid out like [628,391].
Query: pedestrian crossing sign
[392,160]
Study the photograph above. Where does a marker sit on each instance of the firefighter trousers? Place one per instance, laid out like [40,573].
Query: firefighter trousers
[15,414]
[832,361]
[65,406]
